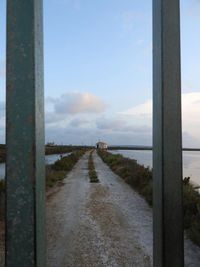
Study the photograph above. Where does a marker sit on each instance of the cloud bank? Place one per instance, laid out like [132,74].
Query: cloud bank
[76,102]
[190,117]
[83,118]
[73,105]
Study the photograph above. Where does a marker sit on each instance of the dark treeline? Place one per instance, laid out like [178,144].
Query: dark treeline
[49,150]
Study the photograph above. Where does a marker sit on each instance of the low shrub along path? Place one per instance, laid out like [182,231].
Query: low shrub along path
[101,224]
[91,169]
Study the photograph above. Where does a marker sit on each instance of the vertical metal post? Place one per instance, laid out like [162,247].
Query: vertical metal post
[167,140]
[25,169]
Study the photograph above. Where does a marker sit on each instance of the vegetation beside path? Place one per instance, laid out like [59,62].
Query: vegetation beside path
[58,149]
[92,172]
[50,149]
[2,153]
[54,173]
[2,199]
[58,171]
[140,178]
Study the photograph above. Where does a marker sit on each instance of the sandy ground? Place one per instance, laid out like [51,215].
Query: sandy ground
[86,225]
[106,224]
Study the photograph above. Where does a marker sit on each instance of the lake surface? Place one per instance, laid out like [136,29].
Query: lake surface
[191,161]
[49,159]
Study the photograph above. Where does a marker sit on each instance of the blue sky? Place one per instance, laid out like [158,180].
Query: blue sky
[98,71]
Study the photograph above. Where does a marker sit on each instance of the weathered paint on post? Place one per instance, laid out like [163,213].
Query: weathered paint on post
[167,140]
[25,169]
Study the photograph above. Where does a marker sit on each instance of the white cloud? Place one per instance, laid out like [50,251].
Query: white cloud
[69,123]
[191,114]
[142,110]
[142,114]
[72,105]
[75,103]
[121,125]
[90,135]
[80,128]
[71,116]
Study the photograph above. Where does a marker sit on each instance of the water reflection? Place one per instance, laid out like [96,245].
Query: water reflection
[191,161]
[49,159]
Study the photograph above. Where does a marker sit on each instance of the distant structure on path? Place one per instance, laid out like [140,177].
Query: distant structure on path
[102,145]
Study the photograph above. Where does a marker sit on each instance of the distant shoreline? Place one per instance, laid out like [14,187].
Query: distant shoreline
[59,149]
[147,148]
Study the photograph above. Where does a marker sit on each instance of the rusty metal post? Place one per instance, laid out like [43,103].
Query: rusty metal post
[167,141]
[25,169]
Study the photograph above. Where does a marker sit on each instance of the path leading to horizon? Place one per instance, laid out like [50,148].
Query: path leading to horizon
[105,224]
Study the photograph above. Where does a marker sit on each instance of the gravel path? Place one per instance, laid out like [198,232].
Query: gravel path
[106,224]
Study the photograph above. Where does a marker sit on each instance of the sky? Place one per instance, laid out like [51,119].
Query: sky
[98,71]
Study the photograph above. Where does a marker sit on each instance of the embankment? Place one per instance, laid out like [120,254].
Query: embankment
[55,173]
[140,178]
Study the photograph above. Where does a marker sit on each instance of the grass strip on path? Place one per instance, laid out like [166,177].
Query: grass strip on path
[92,172]
[140,178]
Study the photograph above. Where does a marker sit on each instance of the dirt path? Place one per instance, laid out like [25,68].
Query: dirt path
[105,224]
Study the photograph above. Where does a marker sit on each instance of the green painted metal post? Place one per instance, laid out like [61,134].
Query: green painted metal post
[167,140]
[25,163]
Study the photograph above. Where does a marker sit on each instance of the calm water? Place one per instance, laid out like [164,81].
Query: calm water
[191,161]
[49,159]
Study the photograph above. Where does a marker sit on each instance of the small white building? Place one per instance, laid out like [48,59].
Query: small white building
[102,145]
